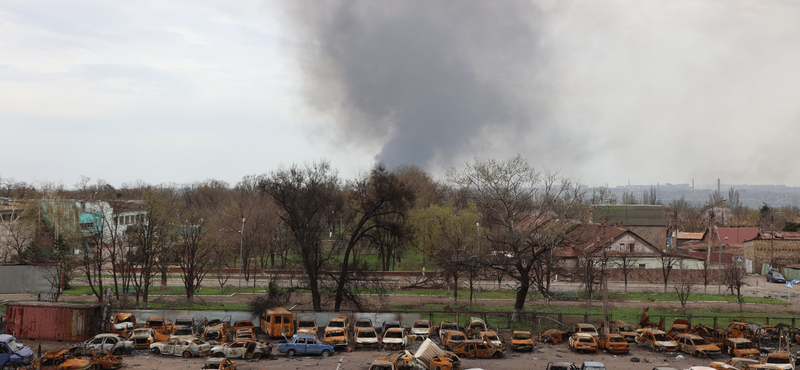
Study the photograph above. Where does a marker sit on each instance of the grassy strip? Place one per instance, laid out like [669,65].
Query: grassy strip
[463,295]
[500,316]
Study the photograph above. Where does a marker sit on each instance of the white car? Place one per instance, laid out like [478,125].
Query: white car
[181,347]
[101,343]
[366,337]
[245,349]
[421,328]
[397,338]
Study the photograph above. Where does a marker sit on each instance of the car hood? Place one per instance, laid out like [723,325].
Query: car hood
[25,354]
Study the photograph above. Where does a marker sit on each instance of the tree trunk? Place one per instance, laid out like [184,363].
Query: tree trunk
[519,302]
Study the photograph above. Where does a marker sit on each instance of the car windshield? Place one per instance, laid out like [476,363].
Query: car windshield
[14,345]
[362,324]
[660,337]
[381,367]
[594,368]
[366,334]
[616,339]
[700,342]
[745,345]
[778,360]
[336,324]
[334,333]
[457,337]
[183,331]
[585,340]
[305,324]
[394,334]
[522,336]
[425,326]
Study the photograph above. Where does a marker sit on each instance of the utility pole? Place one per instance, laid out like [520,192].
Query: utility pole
[771,235]
[241,247]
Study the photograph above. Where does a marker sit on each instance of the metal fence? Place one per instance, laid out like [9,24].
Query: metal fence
[543,320]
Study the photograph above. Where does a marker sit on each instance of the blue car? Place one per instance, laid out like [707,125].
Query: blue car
[775,277]
[304,345]
[13,353]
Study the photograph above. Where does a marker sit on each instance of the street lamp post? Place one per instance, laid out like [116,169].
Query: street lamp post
[719,282]
[711,235]
[771,234]
[478,227]
[241,247]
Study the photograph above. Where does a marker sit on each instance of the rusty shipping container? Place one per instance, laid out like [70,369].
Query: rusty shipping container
[52,321]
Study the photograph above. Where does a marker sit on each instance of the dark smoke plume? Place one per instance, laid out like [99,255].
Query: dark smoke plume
[435,81]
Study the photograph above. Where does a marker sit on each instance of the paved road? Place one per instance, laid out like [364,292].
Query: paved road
[756,286]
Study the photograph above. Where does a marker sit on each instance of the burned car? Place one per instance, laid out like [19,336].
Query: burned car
[181,347]
[245,349]
[143,337]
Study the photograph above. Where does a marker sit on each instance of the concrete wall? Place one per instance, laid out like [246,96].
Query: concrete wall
[25,279]
[784,252]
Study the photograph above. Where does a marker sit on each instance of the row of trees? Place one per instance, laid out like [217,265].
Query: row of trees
[499,219]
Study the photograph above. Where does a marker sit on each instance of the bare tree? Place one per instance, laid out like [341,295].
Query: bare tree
[17,230]
[91,263]
[306,196]
[378,201]
[734,277]
[528,213]
[668,261]
[628,198]
[221,265]
[151,239]
[589,268]
[626,261]
[651,197]
[683,291]
[603,196]
[195,241]
[260,215]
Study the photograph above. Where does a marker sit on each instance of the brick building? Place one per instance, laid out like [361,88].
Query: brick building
[780,247]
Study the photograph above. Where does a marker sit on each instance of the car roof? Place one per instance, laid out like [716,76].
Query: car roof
[593,364]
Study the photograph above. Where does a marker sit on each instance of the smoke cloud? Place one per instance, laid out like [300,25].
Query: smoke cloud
[651,92]
[434,81]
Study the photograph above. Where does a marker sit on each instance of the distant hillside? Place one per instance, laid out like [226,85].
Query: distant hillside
[750,195]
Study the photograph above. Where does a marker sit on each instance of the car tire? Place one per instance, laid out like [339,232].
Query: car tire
[256,356]
[96,367]
[156,351]
[186,354]
[326,353]
[290,353]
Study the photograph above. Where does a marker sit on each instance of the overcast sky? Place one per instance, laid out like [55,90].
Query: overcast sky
[604,91]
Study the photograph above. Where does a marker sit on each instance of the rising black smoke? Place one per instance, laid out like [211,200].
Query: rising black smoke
[435,81]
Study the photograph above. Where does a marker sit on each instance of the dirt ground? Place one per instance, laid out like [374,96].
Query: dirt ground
[360,360]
